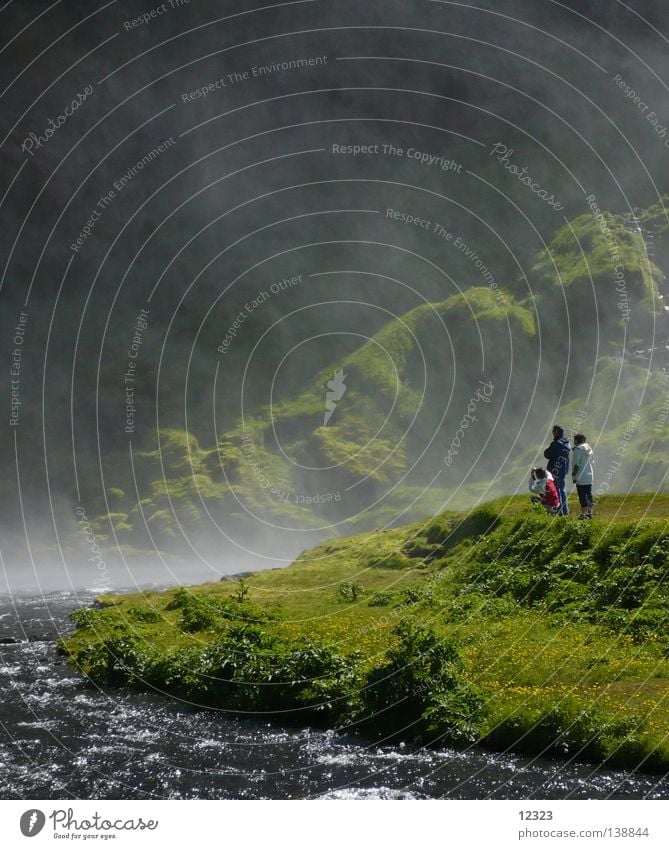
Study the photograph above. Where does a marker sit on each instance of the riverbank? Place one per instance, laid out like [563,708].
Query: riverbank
[501,627]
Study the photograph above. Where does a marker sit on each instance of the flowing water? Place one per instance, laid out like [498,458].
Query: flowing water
[63,739]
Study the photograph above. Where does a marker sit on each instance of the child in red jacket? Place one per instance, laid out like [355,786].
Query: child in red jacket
[544,489]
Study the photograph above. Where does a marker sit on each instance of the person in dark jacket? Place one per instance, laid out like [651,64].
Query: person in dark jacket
[557,455]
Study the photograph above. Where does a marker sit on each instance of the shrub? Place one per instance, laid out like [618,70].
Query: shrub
[420,691]
[647,622]
[251,670]
[567,597]
[199,612]
[585,731]
[144,614]
[87,618]
[564,729]
[380,600]
[243,611]
[625,586]
[123,659]
[349,591]
[559,570]
[581,568]
[242,592]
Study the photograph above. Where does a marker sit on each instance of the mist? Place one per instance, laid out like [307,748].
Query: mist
[223,220]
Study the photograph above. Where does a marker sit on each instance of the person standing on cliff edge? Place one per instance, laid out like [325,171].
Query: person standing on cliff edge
[582,474]
[557,455]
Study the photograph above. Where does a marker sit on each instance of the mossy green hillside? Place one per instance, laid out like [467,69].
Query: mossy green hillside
[288,467]
[604,259]
[389,433]
[245,476]
[502,627]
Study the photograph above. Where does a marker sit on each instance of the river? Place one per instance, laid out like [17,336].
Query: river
[63,739]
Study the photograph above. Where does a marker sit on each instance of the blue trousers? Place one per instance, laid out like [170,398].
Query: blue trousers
[561,486]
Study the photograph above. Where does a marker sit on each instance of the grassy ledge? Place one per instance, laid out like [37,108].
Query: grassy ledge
[502,627]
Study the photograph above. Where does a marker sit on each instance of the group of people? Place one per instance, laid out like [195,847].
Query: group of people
[549,485]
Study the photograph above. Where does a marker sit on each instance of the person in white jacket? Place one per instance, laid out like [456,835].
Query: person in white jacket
[583,474]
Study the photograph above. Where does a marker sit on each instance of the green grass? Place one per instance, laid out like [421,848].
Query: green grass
[502,626]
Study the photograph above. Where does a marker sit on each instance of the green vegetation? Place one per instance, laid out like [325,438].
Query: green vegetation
[502,626]
[603,260]
[407,388]
[261,465]
[369,467]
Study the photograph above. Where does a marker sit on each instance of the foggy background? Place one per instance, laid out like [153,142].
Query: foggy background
[247,192]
